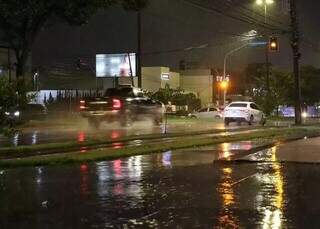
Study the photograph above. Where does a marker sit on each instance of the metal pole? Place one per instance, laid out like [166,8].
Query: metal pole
[267,61]
[139,50]
[225,68]
[9,64]
[166,121]
[295,42]
[265,12]
[131,74]
[224,78]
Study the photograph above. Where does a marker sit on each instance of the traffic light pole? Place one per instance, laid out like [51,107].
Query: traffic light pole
[268,77]
[295,40]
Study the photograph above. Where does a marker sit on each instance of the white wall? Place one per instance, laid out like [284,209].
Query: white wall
[199,81]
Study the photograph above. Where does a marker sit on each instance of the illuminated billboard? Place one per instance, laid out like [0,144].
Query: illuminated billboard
[116,65]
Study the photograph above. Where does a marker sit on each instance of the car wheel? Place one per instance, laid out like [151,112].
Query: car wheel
[251,120]
[263,121]
[226,122]
[238,122]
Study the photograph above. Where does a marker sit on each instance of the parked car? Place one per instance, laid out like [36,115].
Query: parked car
[248,112]
[27,113]
[124,105]
[207,113]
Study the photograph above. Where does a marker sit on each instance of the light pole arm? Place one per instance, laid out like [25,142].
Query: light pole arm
[228,54]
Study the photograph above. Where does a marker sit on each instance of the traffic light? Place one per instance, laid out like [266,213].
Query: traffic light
[273,44]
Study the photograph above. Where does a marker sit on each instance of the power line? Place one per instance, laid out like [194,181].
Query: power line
[243,9]
[194,24]
[243,18]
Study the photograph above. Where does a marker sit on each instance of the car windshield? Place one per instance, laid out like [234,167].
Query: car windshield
[238,105]
[123,92]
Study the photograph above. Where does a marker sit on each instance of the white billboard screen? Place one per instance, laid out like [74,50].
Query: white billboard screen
[116,65]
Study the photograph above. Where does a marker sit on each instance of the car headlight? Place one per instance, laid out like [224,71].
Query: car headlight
[7,113]
[17,113]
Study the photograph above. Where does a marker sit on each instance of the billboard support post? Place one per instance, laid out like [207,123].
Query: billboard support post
[139,50]
[131,74]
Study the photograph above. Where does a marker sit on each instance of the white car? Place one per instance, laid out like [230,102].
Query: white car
[240,112]
[207,113]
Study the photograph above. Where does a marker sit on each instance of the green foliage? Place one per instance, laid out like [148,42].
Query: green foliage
[310,86]
[11,95]
[177,97]
[281,87]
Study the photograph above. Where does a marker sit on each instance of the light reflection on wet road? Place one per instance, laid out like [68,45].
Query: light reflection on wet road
[169,190]
[112,132]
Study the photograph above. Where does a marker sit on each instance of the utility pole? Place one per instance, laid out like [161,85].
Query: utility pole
[267,56]
[9,64]
[139,49]
[295,41]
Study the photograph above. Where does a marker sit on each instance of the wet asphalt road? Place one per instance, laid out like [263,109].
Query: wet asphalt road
[42,135]
[81,132]
[187,189]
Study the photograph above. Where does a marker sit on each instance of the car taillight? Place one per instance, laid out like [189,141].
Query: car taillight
[116,104]
[82,105]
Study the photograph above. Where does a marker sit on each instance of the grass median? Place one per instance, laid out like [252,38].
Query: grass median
[268,135]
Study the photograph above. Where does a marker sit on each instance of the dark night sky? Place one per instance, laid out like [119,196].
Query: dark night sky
[170,25]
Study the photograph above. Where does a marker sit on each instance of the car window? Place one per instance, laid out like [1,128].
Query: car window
[254,106]
[238,105]
[122,92]
[203,110]
[212,109]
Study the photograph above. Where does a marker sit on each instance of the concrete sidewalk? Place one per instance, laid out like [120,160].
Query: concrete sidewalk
[304,151]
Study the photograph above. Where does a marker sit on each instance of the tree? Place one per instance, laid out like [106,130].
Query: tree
[176,97]
[22,20]
[281,87]
[310,86]
[9,97]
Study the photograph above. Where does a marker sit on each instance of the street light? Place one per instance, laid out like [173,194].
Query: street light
[265,3]
[248,37]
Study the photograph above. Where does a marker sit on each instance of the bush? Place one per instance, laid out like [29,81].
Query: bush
[11,94]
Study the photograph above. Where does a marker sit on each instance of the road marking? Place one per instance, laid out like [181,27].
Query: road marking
[243,179]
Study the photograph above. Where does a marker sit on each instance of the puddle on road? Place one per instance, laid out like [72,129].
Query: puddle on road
[167,190]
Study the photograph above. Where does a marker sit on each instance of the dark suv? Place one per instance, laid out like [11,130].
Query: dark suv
[124,105]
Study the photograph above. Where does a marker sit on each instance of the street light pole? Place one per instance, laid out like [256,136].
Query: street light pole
[225,68]
[266,3]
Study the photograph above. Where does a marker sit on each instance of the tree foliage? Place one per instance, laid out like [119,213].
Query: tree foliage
[310,86]
[177,97]
[281,87]
[10,97]
[22,20]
